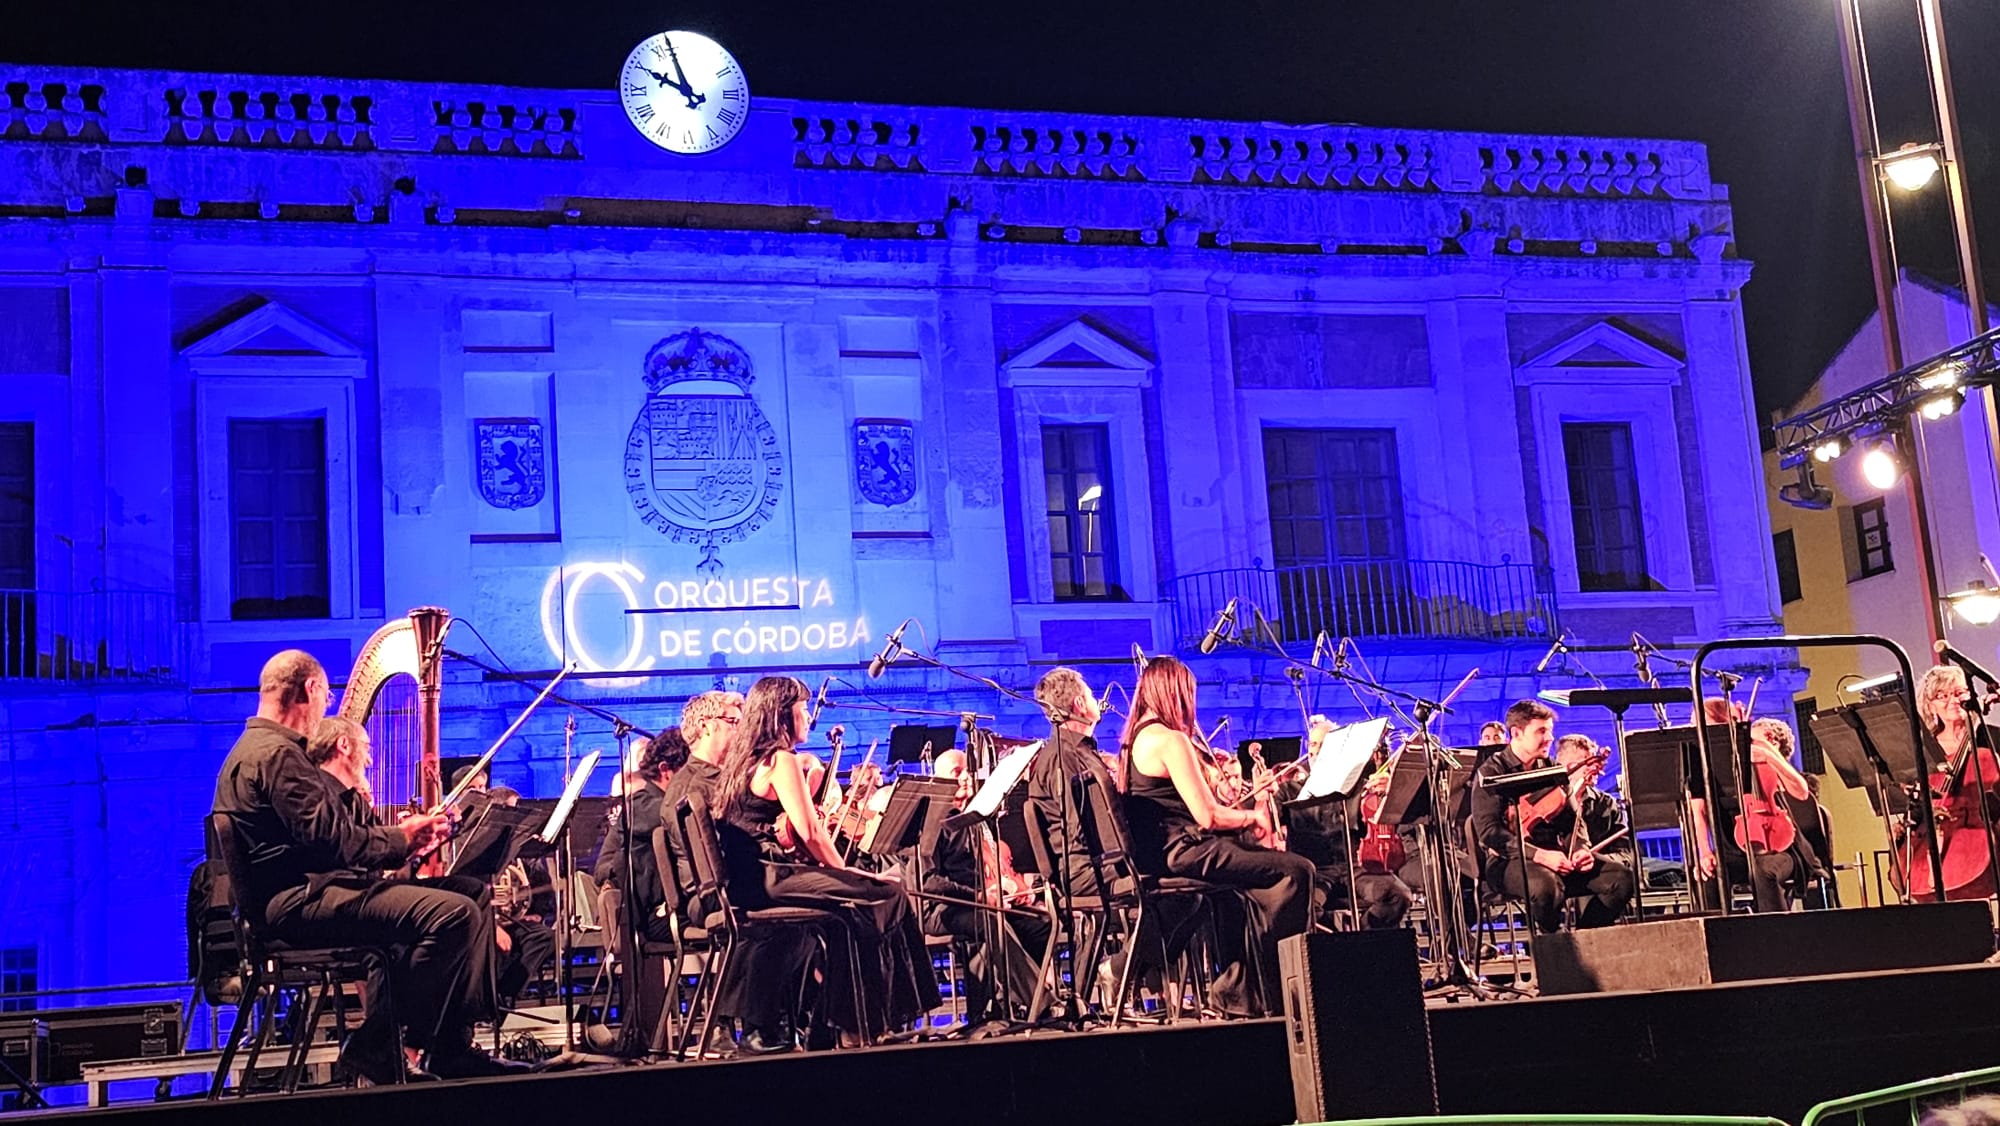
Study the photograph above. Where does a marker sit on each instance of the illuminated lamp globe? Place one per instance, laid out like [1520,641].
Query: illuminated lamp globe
[1940,406]
[1977,605]
[1881,468]
[1911,167]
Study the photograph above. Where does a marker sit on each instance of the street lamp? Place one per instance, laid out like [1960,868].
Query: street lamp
[1977,605]
[1912,166]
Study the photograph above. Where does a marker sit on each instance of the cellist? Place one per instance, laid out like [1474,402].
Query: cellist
[1962,793]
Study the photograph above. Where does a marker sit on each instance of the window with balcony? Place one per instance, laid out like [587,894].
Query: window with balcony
[1604,507]
[1076,470]
[1335,498]
[278,518]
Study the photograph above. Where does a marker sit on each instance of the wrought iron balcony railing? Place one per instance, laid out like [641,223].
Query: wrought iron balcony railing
[96,636]
[1416,599]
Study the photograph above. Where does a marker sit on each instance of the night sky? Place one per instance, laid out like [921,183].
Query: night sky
[1757,80]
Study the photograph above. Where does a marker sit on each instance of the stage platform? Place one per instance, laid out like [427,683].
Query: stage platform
[1769,1047]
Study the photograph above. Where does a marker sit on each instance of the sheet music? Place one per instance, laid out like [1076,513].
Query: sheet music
[1341,760]
[560,814]
[1006,775]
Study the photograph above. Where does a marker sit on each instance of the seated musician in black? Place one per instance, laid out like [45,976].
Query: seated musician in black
[1601,817]
[960,868]
[1557,868]
[763,787]
[1180,828]
[1776,878]
[313,881]
[1069,754]
[1325,833]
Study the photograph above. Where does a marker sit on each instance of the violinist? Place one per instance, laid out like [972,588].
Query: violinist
[1324,833]
[1560,866]
[1180,828]
[1963,792]
[762,779]
[1603,819]
[962,867]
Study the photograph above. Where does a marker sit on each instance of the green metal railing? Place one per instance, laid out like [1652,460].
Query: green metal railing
[1911,1100]
[1562,1120]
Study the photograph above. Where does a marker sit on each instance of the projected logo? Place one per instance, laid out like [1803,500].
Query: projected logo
[702,463]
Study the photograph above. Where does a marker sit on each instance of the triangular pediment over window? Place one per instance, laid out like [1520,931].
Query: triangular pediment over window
[1077,355]
[273,335]
[1604,349]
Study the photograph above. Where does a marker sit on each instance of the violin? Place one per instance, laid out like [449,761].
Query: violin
[1535,810]
[1381,848]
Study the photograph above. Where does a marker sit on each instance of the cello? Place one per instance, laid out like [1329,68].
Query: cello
[1764,825]
[1963,814]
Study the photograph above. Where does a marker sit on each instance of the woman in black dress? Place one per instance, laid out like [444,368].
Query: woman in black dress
[779,854]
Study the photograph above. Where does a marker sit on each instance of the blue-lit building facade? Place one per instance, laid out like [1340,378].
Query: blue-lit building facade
[285,357]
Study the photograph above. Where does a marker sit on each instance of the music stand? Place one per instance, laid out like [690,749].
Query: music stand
[1870,746]
[566,805]
[908,740]
[917,808]
[1656,783]
[492,842]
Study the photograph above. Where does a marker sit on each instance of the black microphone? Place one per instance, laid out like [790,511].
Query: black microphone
[819,701]
[892,647]
[1220,629]
[1971,667]
[1542,665]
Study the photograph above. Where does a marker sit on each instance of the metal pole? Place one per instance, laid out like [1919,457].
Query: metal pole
[1882,260]
[1945,102]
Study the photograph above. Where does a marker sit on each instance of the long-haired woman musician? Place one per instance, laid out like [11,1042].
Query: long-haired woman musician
[1178,824]
[762,778]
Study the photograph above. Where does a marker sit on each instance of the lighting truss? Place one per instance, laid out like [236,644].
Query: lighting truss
[1885,403]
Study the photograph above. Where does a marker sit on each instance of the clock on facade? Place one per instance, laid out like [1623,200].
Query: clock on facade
[684,92]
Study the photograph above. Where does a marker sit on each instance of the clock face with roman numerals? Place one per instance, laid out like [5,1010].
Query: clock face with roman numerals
[684,92]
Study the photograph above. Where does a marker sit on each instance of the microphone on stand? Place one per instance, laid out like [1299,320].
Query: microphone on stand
[1319,647]
[1561,646]
[1223,622]
[1340,659]
[1138,658]
[819,701]
[892,648]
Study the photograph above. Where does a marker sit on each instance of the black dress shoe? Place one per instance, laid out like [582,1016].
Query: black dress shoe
[469,1062]
[379,1064]
[768,1041]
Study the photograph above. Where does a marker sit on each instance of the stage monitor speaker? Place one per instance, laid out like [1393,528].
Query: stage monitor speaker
[1359,1042]
[1707,949]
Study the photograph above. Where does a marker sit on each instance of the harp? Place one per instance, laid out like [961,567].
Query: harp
[394,693]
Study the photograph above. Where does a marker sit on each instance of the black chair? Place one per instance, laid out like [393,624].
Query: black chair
[270,968]
[1132,893]
[708,914]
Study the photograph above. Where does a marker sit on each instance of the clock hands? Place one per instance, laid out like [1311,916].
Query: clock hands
[694,100]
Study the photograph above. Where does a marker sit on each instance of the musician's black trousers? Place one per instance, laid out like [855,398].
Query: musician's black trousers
[1277,892]
[1770,876]
[534,944]
[441,944]
[1605,890]
[1023,938]
[888,957]
[1385,899]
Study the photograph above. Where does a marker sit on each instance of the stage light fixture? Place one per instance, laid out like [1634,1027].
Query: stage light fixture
[1831,448]
[1911,167]
[1939,406]
[1806,492]
[1882,466]
[1942,376]
[1977,605]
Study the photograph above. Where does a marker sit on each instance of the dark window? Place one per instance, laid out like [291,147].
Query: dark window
[1335,496]
[1812,760]
[18,638]
[18,974]
[277,516]
[1076,470]
[1787,552]
[1871,539]
[1604,507]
